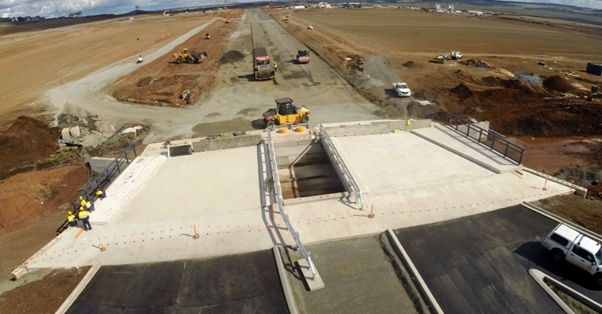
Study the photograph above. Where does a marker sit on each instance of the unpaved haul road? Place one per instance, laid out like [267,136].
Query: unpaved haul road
[235,101]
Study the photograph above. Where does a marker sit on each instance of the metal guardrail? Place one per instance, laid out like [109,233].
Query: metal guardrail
[345,171]
[106,176]
[279,200]
[488,138]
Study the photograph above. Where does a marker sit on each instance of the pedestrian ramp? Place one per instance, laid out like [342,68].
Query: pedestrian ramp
[467,148]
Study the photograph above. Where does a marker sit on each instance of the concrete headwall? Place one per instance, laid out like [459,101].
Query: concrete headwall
[226,143]
[378,127]
[180,150]
[299,153]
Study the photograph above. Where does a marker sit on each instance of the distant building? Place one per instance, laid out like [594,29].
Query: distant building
[477,13]
[594,68]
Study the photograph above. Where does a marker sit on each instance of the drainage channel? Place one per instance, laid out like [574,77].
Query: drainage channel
[305,170]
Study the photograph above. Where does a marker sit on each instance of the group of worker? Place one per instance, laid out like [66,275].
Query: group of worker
[83,213]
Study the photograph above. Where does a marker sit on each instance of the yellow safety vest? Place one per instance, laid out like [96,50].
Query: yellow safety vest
[83,214]
[70,217]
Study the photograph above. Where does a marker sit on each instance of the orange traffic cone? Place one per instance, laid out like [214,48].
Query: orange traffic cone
[371,215]
[102,246]
[196,234]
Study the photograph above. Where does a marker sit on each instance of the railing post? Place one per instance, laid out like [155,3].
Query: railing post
[506,150]
[492,140]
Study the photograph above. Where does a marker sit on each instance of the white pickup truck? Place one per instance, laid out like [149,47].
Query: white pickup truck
[566,243]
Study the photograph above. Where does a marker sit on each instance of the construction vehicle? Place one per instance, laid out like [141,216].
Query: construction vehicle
[262,65]
[302,56]
[207,36]
[455,55]
[186,56]
[285,113]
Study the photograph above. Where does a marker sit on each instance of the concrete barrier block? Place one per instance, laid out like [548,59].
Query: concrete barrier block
[227,143]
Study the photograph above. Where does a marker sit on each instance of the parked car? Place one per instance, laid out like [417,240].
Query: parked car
[402,89]
[566,243]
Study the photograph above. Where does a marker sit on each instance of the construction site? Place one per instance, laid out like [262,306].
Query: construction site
[238,176]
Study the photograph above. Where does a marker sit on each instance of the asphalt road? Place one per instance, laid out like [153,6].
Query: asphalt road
[479,264]
[246,283]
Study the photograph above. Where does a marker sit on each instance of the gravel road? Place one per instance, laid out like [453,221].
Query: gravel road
[235,101]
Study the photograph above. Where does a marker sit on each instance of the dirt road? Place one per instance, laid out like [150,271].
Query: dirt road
[233,103]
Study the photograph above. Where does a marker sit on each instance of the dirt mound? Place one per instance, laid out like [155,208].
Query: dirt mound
[409,64]
[499,82]
[476,62]
[27,196]
[462,91]
[161,82]
[420,111]
[557,83]
[26,141]
[231,56]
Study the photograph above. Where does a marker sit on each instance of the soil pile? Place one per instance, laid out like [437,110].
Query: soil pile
[27,196]
[24,143]
[409,64]
[557,83]
[231,56]
[462,91]
[162,82]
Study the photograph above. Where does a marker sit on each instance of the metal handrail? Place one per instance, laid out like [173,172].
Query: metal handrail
[106,176]
[454,122]
[280,202]
[345,171]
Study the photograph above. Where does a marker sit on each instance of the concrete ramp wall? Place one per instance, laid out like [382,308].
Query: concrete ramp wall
[300,153]
[226,143]
[378,127]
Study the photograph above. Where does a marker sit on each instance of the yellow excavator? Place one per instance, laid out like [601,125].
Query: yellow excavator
[186,56]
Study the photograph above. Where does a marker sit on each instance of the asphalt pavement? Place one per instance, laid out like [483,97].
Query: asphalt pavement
[480,263]
[246,283]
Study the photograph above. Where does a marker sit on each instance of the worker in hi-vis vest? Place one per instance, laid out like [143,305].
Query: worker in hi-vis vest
[85,217]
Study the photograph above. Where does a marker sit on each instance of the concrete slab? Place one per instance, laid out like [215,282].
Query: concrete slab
[398,161]
[199,184]
[126,186]
[313,281]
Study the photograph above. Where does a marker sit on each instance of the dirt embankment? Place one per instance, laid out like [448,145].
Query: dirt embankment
[516,104]
[42,296]
[162,82]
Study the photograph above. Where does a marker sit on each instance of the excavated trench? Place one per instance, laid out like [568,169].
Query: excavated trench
[305,170]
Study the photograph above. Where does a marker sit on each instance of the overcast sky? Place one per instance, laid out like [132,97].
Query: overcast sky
[55,8]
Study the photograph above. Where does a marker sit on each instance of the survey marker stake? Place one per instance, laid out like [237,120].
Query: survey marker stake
[102,246]
[371,215]
[196,234]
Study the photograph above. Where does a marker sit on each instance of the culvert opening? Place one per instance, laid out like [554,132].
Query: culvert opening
[305,170]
